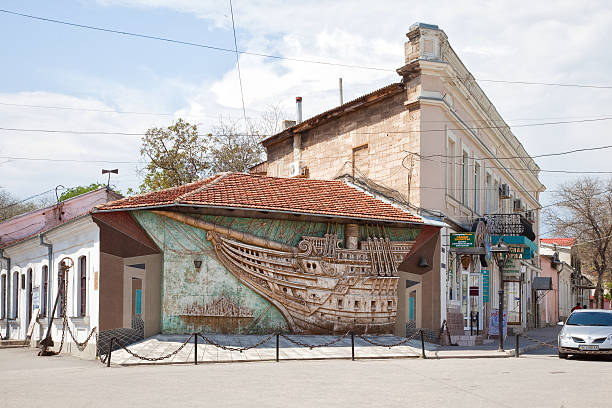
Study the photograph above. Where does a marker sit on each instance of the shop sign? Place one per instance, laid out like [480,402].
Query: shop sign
[494,323]
[485,286]
[462,240]
[36,297]
[519,252]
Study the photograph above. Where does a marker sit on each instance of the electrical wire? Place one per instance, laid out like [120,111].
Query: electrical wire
[330,134]
[278,57]
[66,160]
[26,199]
[238,65]
[115,111]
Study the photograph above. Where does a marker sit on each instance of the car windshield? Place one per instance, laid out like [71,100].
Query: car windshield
[590,319]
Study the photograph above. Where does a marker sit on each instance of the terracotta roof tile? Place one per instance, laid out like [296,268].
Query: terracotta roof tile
[566,242]
[249,191]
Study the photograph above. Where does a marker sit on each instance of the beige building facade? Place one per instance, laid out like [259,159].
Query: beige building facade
[434,142]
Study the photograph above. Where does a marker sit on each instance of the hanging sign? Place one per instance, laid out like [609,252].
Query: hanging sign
[485,286]
[462,240]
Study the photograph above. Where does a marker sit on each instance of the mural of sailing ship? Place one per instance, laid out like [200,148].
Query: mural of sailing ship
[321,285]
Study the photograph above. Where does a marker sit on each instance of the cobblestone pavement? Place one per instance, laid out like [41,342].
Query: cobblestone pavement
[530,381]
[159,345]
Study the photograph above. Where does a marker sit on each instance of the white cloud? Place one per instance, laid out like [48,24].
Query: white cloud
[560,41]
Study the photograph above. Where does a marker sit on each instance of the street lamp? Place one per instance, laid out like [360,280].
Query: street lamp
[500,253]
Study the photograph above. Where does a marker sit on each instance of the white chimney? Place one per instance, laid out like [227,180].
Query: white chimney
[298,104]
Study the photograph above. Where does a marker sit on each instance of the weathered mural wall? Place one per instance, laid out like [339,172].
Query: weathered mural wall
[304,277]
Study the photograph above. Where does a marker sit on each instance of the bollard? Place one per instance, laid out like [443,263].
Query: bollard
[423,345]
[277,342]
[110,351]
[516,345]
[353,345]
[195,348]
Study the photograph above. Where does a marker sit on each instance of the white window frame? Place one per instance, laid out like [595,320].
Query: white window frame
[477,182]
[451,171]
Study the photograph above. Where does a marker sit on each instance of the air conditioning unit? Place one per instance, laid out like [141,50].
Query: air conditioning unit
[504,191]
[530,215]
[296,169]
[518,205]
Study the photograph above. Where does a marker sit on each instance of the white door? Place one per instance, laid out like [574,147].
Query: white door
[471,301]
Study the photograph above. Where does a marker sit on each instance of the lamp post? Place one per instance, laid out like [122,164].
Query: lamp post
[500,252]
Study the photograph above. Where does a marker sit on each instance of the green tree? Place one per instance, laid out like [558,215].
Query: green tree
[75,191]
[176,154]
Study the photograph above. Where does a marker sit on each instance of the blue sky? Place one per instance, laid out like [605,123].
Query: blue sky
[55,65]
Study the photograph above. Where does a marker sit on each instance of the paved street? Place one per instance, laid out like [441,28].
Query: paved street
[534,380]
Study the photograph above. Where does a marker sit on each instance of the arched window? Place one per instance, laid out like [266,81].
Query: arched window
[15,308]
[3,297]
[44,288]
[82,295]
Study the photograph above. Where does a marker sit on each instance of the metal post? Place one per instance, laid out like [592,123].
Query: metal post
[477,323]
[353,345]
[195,348]
[423,345]
[277,343]
[471,323]
[110,351]
[516,345]
[501,306]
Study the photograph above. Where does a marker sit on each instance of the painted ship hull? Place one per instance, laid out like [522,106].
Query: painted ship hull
[319,287]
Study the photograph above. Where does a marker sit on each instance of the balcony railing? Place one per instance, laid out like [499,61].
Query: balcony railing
[510,225]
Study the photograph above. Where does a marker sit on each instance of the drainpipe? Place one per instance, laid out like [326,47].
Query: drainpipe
[8,290]
[49,275]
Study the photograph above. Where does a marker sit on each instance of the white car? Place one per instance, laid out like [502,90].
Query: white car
[586,331]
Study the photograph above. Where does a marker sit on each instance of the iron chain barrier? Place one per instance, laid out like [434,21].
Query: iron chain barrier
[106,358]
[399,343]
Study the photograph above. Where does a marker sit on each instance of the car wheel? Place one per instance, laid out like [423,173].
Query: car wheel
[563,355]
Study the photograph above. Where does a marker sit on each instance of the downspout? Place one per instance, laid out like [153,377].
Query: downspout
[49,275]
[8,290]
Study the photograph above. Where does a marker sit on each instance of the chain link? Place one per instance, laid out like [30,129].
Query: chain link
[566,350]
[232,348]
[399,343]
[543,343]
[133,354]
[81,345]
[311,346]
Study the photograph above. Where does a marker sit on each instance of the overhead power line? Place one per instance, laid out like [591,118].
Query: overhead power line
[112,111]
[81,132]
[9,158]
[278,57]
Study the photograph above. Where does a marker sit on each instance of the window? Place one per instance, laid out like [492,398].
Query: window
[44,291]
[496,200]
[15,308]
[476,187]
[465,178]
[488,195]
[450,168]
[3,297]
[82,286]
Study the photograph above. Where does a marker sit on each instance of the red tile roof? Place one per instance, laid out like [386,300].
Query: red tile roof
[566,242]
[249,191]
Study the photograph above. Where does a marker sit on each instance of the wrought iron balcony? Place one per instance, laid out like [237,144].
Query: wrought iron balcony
[510,225]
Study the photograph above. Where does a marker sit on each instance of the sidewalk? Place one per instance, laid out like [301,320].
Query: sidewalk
[157,346]
[546,334]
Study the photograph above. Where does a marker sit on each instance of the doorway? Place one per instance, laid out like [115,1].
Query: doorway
[471,300]
[513,300]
